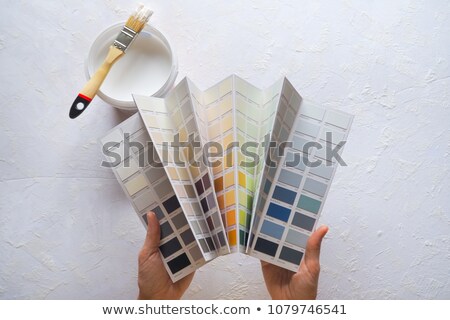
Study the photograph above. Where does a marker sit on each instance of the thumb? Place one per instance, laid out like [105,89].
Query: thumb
[312,254]
[151,242]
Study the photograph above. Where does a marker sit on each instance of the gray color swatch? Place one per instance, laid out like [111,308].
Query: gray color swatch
[291,255]
[187,237]
[303,221]
[196,253]
[179,220]
[143,201]
[298,143]
[166,229]
[290,178]
[163,188]
[294,159]
[312,111]
[203,245]
[315,187]
[155,174]
[322,170]
[158,212]
[196,227]
[297,238]
[307,128]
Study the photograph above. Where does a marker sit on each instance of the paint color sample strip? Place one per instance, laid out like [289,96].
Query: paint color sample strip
[205,132]
[254,113]
[216,116]
[148,189]
[179,115]
[294,192]
[288,99]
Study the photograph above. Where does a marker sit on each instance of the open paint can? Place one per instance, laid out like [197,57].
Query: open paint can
[149,67]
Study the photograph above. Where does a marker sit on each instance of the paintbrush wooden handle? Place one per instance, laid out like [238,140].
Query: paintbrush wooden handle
[90,89]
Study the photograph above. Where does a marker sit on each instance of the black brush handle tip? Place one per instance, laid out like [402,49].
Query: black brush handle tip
[79,105]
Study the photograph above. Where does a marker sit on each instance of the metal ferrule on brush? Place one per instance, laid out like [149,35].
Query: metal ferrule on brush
[125,38]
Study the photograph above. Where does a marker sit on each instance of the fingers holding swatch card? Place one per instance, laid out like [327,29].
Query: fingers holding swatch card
[284,284]
[153,281]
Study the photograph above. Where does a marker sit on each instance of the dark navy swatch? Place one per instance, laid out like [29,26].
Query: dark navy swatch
[171,204]
[170,247]
[266,246]
[284,195]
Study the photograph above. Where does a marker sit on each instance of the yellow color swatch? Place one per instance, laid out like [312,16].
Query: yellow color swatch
[230,198]
[242,198]
[228,160]
[227,141]
[242,179]
[229,179]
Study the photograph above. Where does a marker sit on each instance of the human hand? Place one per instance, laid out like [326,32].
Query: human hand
[283,284]
[153,280]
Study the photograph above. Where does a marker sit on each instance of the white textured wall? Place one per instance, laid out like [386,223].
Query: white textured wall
[66,229]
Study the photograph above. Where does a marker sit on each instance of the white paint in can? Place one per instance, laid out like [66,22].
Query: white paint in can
[148,68]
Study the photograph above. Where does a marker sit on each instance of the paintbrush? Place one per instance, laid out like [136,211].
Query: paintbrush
[133,26]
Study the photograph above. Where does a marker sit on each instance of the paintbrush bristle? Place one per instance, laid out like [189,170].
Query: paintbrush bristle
[139,18]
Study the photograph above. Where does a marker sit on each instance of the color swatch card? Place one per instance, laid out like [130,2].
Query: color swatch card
[293,191]
[187,240]
[232,168]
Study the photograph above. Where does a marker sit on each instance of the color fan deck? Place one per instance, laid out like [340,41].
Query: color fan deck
[232,193]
